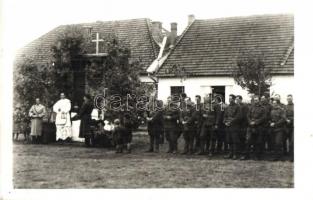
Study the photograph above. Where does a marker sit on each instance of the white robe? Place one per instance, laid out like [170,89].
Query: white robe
[63,121]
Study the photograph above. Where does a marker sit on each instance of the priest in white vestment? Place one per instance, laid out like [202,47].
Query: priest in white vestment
[63,121]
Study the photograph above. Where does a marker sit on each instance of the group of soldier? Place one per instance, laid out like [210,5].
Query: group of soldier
[238,130]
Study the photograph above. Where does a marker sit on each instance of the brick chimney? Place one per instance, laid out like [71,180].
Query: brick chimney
[156,28]
[173,33]
[191,18]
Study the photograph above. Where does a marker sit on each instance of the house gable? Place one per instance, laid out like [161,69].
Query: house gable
[210,47]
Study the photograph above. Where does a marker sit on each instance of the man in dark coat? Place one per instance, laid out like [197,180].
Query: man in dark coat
[208,122]
[277,127]
[187,117]
[243,122]
[290,125]
[232,118]
[219,109]
[255,132]
[155,123]
[85,116]
[171,124]
[267,134]
[198,123]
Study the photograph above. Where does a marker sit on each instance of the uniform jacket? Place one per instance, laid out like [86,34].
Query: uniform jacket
[244,114]
[170,117]
[187,115]
[157,120]
[290,113]
[197,114]
[219,114]
[208,115]
[278,117]
[232,114]
[257,114]
[267,108]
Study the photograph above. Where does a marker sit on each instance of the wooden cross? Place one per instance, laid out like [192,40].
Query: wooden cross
[97,40]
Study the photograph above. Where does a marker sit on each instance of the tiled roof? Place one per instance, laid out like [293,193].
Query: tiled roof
[135,33]
[210,47]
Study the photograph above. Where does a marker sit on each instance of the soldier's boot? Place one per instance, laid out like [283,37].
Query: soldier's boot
[170,147]
[202,144]
[150,148]
[117,149]
[246,155]
[190,148]
[157,149]
[128,147]
[235,151]
[230,152]
[175,147]
[186,147]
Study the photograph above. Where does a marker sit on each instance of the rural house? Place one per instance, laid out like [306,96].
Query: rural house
[204,55]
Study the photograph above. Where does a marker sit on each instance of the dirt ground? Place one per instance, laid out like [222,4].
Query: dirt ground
[75,166]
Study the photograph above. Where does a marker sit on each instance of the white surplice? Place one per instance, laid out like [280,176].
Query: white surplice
[63,121]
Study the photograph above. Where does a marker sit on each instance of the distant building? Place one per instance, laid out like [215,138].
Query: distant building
[207,49]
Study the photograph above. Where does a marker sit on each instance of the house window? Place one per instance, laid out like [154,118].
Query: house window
[219,91]
[177,90]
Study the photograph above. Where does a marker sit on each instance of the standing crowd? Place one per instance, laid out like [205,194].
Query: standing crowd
[237,130]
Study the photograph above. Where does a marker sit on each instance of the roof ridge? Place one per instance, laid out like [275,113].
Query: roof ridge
[287,54]
[249,16]
[151,38]
[180,38]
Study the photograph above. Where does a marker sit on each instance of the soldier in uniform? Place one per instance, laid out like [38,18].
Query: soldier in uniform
[148,114]
[208,125]
[187,117]
[171,124]
[219,128]
[282,106]
[256,118]
[155,120]
[290,124]
[198,120]
[232,118]
[267,137]
[243,122]
[277,128]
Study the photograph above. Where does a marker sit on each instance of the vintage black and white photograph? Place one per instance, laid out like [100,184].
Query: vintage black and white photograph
[141,95]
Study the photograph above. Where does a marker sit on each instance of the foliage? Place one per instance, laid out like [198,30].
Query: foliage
[251,73]
[116,71]
[68,47]
[30,83]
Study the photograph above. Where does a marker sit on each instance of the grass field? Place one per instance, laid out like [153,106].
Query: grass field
[75,166]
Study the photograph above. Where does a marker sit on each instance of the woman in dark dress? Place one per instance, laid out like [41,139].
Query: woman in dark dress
[85,116]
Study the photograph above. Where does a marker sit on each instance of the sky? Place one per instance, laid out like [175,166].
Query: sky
[26,20]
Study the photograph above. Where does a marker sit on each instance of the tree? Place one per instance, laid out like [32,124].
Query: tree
[119,74]
[68,47]
[30,82]
[251,73]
